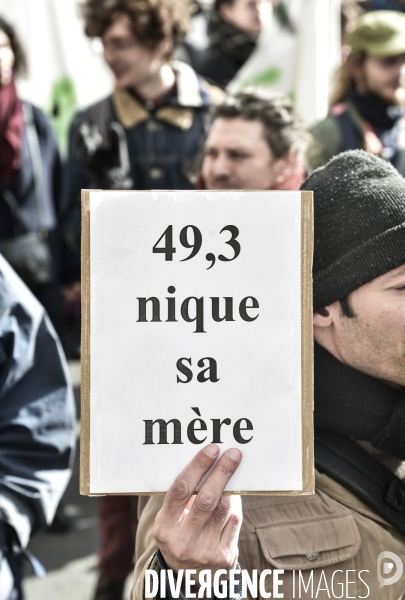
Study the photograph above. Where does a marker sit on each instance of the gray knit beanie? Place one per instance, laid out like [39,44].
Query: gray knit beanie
[359,206]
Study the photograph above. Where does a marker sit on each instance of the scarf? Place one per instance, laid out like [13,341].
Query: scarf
[11,129]
[381,116]
[383,120]
[226,39]
[357,405]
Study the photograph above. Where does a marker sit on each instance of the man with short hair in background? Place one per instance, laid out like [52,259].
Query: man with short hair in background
[256,141]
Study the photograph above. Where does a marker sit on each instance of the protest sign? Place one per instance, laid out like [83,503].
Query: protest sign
[197,328]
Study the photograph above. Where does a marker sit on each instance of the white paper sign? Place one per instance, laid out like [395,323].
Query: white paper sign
[195,321]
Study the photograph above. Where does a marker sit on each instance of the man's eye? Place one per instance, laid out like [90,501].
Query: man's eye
[390,61]
[210,153]
[120,45]
[237,155]
[401,289]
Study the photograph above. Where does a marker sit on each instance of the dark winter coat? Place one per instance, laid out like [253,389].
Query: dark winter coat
[37,419]
[18,208]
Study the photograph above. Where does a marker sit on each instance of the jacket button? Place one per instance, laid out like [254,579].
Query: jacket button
[155,173]
[153,125]
[313,557]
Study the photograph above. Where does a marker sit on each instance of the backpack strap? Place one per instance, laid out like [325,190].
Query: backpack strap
[346,462]
[36,161]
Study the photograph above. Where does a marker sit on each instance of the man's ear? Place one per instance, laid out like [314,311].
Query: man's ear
[285,167]
[165,48]
[323,317]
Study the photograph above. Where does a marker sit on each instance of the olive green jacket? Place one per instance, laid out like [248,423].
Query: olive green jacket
[331,534]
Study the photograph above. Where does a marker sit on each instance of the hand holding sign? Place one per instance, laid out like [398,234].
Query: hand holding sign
[206,536]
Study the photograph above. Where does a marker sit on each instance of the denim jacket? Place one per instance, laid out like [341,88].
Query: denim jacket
[124,143]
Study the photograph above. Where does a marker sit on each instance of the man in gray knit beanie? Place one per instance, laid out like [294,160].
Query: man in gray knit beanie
[359,294]
[348,539]
[359,206]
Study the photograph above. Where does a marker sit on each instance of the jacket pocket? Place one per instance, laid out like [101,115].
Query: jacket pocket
[312,543]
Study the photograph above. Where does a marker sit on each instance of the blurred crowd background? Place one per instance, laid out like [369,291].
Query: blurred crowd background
[297,46]
[292,47]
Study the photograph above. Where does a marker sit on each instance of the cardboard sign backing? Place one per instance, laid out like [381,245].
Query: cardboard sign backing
[196,328]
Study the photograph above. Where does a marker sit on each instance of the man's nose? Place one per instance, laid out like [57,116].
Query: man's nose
[109,55]
[221,166]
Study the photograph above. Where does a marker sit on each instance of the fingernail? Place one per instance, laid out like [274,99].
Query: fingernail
[235,454]
[212,450]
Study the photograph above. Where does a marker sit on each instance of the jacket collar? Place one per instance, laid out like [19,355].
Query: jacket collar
[191,93]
